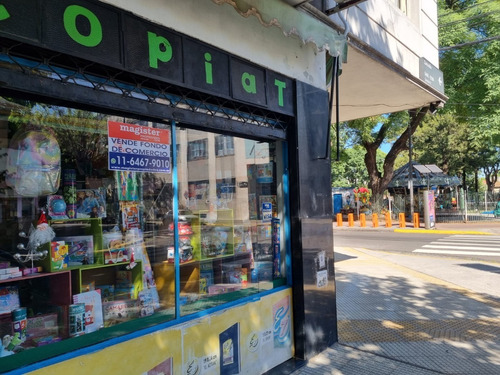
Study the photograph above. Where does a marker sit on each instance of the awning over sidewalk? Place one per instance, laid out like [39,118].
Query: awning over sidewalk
[292,22]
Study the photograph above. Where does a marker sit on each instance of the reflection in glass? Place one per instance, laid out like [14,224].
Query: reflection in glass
[231,240]
[87,222]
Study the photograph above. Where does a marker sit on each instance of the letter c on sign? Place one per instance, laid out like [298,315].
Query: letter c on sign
[69,18]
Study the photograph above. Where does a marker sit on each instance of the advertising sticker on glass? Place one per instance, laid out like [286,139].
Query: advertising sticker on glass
[138,148]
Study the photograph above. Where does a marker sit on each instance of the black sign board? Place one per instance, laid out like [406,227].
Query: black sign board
[152,50]
[17,20]
[208,67]
[81,28]
[113,37]
[248,82]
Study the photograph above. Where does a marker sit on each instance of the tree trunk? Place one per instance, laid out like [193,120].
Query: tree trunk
[380,180]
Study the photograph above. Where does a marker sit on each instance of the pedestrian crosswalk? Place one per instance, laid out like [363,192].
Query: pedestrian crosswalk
[463,245]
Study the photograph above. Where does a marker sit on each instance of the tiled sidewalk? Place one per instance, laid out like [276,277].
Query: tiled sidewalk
[397,320]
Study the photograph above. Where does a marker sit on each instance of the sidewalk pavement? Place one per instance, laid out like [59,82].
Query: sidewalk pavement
[408,314]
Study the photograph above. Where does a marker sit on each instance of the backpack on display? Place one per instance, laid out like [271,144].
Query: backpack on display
[33,163]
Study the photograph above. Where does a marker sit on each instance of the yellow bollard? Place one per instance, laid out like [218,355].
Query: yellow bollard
[416,220]
[402,220]
[339,219]
[375,220]
[350,220]
[362,220]
[388,220]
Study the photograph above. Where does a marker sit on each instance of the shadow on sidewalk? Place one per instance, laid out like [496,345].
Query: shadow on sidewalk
[414,321]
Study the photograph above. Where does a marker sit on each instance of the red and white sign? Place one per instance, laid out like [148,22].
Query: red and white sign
[138,148]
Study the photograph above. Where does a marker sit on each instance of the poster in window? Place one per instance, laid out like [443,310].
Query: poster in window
[138,148]
[264,173]
[267,199]
[128,187]
[91,203]
[229,346]
[130,215]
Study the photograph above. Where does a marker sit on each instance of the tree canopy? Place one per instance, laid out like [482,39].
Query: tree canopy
[465,136]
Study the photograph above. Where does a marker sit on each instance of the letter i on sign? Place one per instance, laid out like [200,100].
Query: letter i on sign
[208,69]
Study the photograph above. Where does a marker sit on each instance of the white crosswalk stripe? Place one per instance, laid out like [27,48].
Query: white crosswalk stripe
[463,245]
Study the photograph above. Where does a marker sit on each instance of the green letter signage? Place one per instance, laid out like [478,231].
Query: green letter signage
[69,19]
[248,83]
[112,37]
[159,49]
[281,86]
[4,14]
[208,69]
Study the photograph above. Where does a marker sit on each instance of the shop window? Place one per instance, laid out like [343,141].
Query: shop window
[224,145]
[234,235]
[85,199]
[87,224]
[197,149]
[226,189]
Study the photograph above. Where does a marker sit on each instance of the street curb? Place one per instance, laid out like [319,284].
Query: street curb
[438,231]
[407,230]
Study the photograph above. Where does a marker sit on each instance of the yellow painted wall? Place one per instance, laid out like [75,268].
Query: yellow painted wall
[194,348]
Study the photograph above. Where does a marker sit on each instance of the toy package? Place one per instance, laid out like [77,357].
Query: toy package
[59,254]
[130,215]
[9,299]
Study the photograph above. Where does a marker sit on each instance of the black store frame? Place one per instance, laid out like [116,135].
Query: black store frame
[38,73]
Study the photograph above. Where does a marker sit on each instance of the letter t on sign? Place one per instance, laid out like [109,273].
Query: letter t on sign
[281,86]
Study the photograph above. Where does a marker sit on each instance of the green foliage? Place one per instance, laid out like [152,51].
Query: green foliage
[378,129]
[364,164]
[351,169]
[470,50]
[469,61]
[464,136]
[442,140]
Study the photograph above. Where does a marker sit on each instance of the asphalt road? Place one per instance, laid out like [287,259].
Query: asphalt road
[459,246]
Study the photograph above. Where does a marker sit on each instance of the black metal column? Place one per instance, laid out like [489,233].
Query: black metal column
[315,315]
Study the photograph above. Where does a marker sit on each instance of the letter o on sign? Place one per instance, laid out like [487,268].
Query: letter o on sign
[69,18]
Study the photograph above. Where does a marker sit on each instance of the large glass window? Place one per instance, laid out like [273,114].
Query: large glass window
[230,220]
[83,198]
[94,240]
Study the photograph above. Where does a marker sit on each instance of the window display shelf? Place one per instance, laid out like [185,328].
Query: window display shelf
[103,276]
[60,285]
[77,242]
[202,277]
[42,295]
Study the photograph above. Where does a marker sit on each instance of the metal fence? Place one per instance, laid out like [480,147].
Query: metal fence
[470,207]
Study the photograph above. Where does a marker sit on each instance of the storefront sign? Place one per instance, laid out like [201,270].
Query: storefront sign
[110,36]
[138,148]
